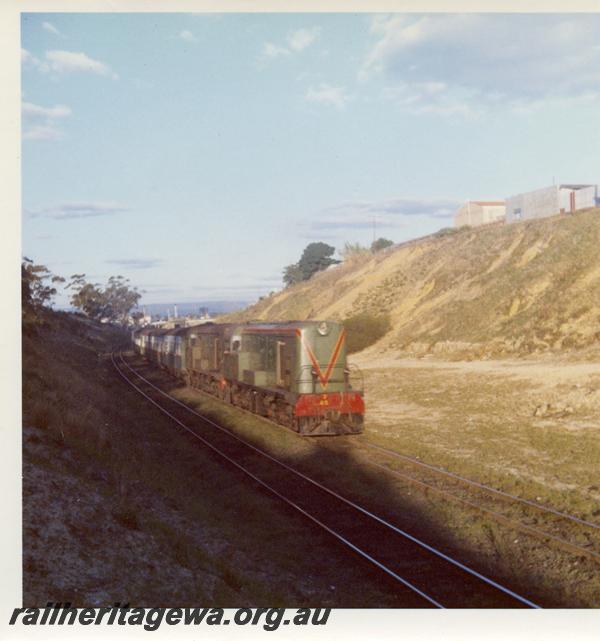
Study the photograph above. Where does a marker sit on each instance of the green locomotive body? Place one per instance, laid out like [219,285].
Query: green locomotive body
[294,373]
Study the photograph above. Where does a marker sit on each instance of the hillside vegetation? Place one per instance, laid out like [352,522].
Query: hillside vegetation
[477,292]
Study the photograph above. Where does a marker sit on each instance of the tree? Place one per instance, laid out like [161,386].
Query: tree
[292,274]
[35,292]
[315,258]
[380,243]
[120,299]
[113,303]
[86,297]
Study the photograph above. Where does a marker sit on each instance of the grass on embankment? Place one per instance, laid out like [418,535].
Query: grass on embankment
[484,425]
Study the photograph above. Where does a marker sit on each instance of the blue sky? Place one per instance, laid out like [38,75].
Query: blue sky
[198,154]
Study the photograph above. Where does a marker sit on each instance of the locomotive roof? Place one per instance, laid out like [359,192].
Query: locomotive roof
[294,324]
[153,331]
[211,327]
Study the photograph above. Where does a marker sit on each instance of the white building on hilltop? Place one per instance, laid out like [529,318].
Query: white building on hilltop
[549,201]
[479,212]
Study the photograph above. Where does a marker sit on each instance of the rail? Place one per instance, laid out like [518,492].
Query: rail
[352,504]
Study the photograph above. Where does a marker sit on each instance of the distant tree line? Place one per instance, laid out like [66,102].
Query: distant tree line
[111,303]
[318,256]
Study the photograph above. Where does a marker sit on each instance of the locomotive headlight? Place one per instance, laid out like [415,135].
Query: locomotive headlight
[323,328]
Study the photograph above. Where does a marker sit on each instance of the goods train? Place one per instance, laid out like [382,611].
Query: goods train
[294,373]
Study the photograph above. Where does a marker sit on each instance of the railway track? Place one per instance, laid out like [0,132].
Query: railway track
[427,575]
[572,534]
[583,540]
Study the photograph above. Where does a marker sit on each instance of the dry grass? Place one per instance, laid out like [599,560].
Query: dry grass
[364,330]
[481,292]
[487,425]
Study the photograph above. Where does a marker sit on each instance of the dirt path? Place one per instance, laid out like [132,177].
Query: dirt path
[540,372]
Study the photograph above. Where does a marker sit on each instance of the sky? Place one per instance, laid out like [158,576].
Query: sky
[198,154]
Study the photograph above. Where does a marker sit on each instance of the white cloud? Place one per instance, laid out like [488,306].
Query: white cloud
[333,223]
[328,95]
[42,132]
[302,38]
[28,59]
[432,97]
[528,107]
[50,28]
[296,42]
[188,36]
[58,111]
[39,122]
[360,213]
[485,60]
[67,211]
[136,263]
[72,61]
[391,213]
[274,51]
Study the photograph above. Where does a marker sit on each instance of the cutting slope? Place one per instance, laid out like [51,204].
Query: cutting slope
[494,290]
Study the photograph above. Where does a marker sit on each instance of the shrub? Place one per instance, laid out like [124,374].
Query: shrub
[365,329]
[450,231]
[352,250]
[380,244]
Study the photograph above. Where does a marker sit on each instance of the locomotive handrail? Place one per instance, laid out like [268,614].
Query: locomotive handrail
[309,366]
[352,368]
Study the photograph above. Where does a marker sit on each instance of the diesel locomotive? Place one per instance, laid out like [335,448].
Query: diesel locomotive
[294,373]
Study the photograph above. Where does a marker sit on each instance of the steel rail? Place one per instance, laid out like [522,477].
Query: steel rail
[276,492]
[500,518]
[482,486]
[352,504]
[526,529]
